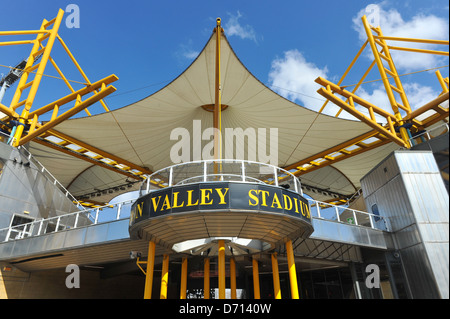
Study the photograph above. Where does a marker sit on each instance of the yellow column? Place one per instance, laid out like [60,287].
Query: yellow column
[233,278]
[183,278]
[164,277]
[221,269]
[292,272]
[149,272]
[276,276]
[206,279]
[256,290]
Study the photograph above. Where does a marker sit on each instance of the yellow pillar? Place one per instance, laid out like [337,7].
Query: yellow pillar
[256,290]
[292,272]
[206,279]
[164,276]
[233,278]
[149,271]
[276,276]
[221,269]
[183,278]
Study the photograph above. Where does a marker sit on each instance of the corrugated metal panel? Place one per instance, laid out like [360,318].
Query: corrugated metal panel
[408,190]
[418,272]
[438,254]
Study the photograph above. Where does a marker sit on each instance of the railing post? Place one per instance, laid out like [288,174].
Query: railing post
[96,215]
[337,213]
[243,171]
[371,221]
[354,217]
[148,185]
[275,176]
[119,208]
[41,223]
[8,234]
[76,220]
[57,224]
[170,176]
[318,209]
[204,171]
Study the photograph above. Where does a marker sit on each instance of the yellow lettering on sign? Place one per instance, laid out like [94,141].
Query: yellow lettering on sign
[189,203]
[155,204]
[275,199]
[307,211]
[253,197]
[296,205]
[222,195]
[140,206]
[286,200]
[175,200]
[166,203]
[265,193]
[205,196]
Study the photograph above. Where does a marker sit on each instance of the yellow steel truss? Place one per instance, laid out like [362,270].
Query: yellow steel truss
[23,111]
[29,126]
[394,130]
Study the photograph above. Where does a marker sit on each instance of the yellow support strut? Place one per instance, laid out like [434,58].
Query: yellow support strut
[221,269]
[276,276]
[292,271]
[164,277]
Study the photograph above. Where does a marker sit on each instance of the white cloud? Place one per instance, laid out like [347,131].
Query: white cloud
[185,51]
[234,28]
[417,94]
[293,77]
[420,26]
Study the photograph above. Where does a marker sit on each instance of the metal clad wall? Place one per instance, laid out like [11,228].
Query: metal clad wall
[25,188]
[408,189]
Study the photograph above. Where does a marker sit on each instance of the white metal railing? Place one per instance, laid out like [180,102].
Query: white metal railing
[93,216]
[429,134]
[221,170]
[321,210]
[77,219]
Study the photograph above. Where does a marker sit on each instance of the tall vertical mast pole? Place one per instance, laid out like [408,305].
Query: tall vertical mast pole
[217,104]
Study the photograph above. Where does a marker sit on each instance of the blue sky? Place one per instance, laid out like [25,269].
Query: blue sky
[285,44]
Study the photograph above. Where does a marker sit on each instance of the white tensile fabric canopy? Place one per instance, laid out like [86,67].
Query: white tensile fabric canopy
[140,132]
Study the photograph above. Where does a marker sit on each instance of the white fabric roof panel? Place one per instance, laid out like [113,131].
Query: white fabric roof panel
[140,132]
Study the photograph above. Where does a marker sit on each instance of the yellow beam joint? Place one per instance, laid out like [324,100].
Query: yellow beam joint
[74,110]
[164,277]
[256,289]
[149,272]
[292,271]
[276,276]
[221,269]
[184,269]
[391,135]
